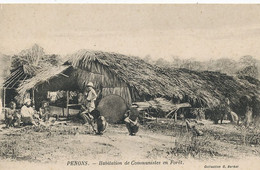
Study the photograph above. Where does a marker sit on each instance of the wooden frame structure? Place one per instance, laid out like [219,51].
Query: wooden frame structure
[12,82]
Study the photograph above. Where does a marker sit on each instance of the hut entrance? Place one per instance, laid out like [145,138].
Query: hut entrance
[10,97]
[61,100]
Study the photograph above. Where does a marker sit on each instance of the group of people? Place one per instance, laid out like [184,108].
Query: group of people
[234,118]
[29,116]
[91,115]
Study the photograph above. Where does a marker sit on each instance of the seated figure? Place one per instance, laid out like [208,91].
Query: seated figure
[131,122]
[28,113]
[11,115]
[44,111]
[100,120]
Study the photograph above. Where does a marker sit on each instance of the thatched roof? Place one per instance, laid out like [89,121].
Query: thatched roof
[132,70]
[27,64]
[42,77]
[211,88]
[200,89]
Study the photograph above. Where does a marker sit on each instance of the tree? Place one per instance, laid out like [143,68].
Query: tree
[34,59]
[177,62]
[149,59]
[251,71]
[162,62]
[247,60]
[249,66]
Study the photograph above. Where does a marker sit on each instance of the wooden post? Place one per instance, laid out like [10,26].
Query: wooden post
[4,98]
[67,103]
[143,117]
[175,116]
[33,98]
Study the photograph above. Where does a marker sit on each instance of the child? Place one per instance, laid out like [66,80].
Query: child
[17,118]
[101,122]
[45,111]
[131,122]
[10,114]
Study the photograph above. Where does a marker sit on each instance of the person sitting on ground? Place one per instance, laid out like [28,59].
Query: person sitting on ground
[100,120]
[28,113]
[131,122]
[9,114]
[44,111]
[17,117]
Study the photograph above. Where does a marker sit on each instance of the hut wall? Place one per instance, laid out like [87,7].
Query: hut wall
[104,81]
[121,91]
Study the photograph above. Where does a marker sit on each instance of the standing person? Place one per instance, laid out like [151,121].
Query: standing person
[27,113]
[233,116]
[248,116]
[89,105]
[131,122]
[10,114]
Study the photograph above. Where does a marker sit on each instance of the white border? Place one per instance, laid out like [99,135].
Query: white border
[130,1]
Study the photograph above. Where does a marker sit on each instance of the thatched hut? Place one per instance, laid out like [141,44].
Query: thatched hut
[127,76]
[51,79]
[209,89]
[135,80]
[5,64]
[25,65]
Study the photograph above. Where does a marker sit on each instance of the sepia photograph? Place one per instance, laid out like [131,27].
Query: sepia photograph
[129,86]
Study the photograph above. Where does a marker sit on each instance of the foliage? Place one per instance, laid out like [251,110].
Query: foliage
[9,149]
[187,145]
[247,65]
[250,71]
[34,59]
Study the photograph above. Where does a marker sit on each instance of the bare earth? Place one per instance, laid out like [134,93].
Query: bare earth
[63,141]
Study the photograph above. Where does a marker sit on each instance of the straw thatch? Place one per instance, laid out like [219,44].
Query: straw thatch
[51,79]
[209,89]
[198,88]
[111,70]
[136,80]
[27,64]
[42,77]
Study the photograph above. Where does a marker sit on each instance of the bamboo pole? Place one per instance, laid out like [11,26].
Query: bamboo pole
[13,79]
[4,98]
[33,98]
[175,115]
[67,103]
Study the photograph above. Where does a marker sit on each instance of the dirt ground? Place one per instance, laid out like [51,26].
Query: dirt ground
[64,141]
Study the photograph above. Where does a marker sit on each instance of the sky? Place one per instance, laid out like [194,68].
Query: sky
[200,32]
